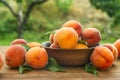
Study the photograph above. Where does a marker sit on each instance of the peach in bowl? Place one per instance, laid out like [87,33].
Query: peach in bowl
[69,57]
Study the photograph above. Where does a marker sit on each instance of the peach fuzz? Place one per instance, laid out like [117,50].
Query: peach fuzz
[36,57]
[75,25]
[1,61]
[117,45]
[66,37]
[18,41]
[92,36]
[113,49]
[15,56]
[102,58]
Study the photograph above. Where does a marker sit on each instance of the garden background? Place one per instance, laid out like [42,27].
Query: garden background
[32,19]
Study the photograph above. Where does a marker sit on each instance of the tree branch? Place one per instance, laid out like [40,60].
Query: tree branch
[9,7]
[30,7]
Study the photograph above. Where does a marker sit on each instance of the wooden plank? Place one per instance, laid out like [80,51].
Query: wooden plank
[74,73]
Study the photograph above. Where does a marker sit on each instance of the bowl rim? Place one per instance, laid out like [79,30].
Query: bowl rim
[45,46]
[69,49]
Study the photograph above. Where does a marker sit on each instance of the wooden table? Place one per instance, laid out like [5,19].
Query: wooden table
[76,73]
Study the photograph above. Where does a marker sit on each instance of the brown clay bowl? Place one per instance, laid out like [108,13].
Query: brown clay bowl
[69,57]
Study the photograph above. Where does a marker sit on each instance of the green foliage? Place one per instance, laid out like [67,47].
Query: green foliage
[44,18]
[53,65]
[64,5]
[111,7]
[23,68]
[7,23]
[19,1]
[90,68]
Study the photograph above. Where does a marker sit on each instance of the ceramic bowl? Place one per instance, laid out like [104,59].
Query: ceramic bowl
[69,57]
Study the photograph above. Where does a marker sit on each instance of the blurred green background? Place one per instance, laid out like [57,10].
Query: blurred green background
[48,15]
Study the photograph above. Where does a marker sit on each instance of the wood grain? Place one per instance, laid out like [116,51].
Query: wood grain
[70,73]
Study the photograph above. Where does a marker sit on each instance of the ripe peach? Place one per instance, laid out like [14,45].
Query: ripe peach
[66,37]
[113,49]
[80,46]
[117,45]
[15,55]
[36,57]
[102,58]
[53,45]
[1,61]
[51,38]
[75,25]
[19,41]
[92,36]
[33,44]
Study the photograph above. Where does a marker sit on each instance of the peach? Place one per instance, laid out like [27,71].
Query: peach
[92,36]
[33,44]
[117,45]
[113,49]
[51,38]
[75,25]
[102,58]
[66,37]
[36,57]
[15,56]
[19,41]
[53,45]
[1,61]
[80,46]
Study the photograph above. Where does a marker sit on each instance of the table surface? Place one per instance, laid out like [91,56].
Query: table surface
[74,73]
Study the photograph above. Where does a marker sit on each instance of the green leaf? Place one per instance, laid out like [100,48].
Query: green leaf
[82,42]
[50,32]
[25,46]
[23,68]
[53,66]
[91,68]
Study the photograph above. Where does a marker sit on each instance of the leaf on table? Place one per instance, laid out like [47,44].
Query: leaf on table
[91,68]
[23,68]
[53,65]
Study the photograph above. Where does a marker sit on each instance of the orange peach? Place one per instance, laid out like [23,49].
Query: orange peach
[102,58]
[113,49]
[51,38]
[80,46]
[33,44]
[66,37]
[36,57]
[75,25]
[15,56]
[19,41]
[1,61]
[53,45]
[92,36]
[117,45]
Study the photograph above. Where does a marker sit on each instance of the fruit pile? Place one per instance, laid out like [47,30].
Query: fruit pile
[71,33]
[16,54]
[70,36]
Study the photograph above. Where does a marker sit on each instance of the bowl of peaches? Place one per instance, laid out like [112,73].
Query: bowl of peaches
[71,46]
